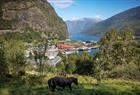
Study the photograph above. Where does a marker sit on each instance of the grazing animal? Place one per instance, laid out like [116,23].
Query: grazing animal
[62,82]
[9,76]
[21,73]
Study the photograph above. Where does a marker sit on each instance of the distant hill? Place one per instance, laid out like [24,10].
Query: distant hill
[35,15]
[78,26]
[124,19]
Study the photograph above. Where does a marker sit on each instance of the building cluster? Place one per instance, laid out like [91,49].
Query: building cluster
[63,47]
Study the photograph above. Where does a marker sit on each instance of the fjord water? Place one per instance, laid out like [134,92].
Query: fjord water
[83,37]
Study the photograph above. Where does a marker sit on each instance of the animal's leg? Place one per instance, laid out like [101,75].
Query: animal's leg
[63,87]
[53,87]
[70,88]
[53,90]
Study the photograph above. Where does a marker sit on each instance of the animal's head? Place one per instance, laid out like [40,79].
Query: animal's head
[75,81]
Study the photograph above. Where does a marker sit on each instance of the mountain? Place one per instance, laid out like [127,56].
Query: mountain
[77,26]
[35,15]
[129,18]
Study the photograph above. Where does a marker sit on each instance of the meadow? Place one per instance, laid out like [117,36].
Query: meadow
[87,86]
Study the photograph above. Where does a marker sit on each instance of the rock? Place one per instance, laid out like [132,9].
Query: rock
[36,14]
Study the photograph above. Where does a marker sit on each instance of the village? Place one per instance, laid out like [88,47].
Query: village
[62,47]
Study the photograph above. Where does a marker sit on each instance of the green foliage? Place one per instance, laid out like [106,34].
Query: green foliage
[84,64]
[39,55]
[70,67]
[49,68]
[131,71]
[118,52]
[27,36]
[60,66]
[15,56]
[70,63]
[101,65]
[3,64]
[78,63]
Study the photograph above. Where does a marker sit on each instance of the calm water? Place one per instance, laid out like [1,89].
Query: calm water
[83,37]
[91,52]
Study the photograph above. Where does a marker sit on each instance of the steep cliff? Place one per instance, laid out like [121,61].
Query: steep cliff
[36,15]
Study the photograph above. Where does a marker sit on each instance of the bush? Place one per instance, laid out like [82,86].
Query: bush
[126,71]
[49,68]
[34,80]
[60,66]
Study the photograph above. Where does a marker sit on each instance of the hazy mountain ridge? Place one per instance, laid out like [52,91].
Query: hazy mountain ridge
[79,25]
[129,18]
[18,15]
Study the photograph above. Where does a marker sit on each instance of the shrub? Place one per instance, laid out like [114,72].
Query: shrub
[126,71]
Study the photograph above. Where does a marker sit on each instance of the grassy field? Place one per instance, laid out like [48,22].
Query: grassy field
[87,86]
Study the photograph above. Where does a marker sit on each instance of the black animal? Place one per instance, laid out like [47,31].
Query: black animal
[21,73]
[9,76]
[62,82]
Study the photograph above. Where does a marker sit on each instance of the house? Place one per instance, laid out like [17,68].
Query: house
[64,46]
[54,61]
[52,52]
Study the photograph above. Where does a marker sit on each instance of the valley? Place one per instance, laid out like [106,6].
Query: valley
[69,47]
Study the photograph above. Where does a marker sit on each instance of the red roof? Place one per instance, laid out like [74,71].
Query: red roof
[64,46]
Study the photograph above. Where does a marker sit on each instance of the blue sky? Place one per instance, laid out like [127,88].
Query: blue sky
[76,9]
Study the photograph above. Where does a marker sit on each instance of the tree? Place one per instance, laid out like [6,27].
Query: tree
[120,45]
[39,53]
[39,57]
[84,64]
[60,66]
[117,48]
[15,56]
[124,47]
[3,64]
[101,65]
[103,60]
[70,62]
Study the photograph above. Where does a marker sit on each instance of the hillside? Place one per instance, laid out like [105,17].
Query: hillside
[87,86]
[79,25]
[35,15]
[129,18]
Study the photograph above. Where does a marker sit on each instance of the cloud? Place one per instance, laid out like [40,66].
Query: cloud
[62,3]
[98,16]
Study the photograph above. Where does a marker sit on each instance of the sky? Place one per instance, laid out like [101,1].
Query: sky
[102,9]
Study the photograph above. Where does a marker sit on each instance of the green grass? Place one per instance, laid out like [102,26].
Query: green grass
[87,86]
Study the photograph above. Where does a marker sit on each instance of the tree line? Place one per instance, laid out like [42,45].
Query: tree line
[118,57]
